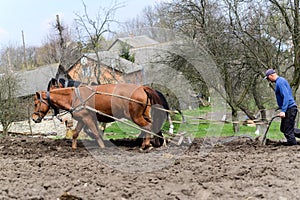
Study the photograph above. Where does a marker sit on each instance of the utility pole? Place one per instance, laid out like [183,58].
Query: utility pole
[62,45]
[24,51]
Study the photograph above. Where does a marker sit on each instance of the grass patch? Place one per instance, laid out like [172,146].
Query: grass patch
[118,130]
[194,127]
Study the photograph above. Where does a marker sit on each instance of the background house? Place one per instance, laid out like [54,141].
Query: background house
[31,82]
[114,69]
[35,80]
[145,64]
[131,42]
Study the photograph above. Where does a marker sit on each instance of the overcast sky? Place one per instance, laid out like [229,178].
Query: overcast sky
[35,17]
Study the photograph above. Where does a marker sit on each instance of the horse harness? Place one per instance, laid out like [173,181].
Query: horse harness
[55,110]
[83,106]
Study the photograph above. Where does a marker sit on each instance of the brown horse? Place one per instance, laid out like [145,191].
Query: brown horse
[136,103]
[63,82]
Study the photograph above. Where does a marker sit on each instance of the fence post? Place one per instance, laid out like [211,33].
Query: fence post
[29,120]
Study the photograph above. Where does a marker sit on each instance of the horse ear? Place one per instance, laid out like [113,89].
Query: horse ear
[38,95]
[62,81]
[53,81]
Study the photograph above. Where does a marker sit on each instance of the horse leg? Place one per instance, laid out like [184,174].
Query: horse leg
[92,125]
[159,140]
[145,123]
[146,142]
[146,137]
[75,134]
[91,134]
[102,126]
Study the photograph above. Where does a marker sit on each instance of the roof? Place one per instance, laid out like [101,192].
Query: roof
[113,60]
[35,80]
[136,41]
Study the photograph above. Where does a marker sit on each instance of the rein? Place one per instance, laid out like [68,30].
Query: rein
[77,92]
[129,99]
[83,106]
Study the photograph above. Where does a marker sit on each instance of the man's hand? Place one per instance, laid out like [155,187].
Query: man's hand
[281,114]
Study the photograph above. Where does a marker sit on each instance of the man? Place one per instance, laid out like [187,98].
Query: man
[287,104]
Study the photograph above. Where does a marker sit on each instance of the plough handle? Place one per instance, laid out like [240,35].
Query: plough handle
[268,126]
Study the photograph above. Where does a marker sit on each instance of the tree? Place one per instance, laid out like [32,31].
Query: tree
[203,22]
[268,31]
[11,58]
[290,13]
[59,46]
[8,101]
[125,53]
[91,31]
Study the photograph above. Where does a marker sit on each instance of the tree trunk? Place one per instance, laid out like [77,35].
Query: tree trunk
[235,121]
[62,44]
[256,92]
[5,128]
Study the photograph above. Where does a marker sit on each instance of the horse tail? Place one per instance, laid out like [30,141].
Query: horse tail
[163,101]
[158,115]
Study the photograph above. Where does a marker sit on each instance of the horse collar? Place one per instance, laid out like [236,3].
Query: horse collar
[77,92]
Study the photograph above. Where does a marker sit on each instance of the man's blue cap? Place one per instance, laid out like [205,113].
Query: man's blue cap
[269,72]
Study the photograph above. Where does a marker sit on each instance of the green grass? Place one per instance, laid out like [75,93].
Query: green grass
[194,127]
[118,130]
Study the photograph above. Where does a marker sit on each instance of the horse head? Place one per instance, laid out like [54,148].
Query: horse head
[41,107]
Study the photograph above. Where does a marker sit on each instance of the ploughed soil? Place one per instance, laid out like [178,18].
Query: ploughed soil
[217,168]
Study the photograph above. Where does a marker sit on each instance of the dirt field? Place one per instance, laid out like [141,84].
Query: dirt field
[41,168]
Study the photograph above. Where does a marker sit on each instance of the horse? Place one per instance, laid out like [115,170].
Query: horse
[63,79]
[62,83]
[109,102]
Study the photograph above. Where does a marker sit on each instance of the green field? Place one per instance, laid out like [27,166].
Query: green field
[194,127]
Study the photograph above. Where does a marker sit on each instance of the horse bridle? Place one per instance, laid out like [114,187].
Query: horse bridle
[48,103]
[41,100]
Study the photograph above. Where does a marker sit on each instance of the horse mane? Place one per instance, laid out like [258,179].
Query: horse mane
[62,81]
[53,81]
[70,82]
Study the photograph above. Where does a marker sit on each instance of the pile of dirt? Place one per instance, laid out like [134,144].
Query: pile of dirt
[219,168]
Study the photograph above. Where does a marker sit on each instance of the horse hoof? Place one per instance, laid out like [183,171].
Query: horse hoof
[146,149]
[165,144]
[150,148]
